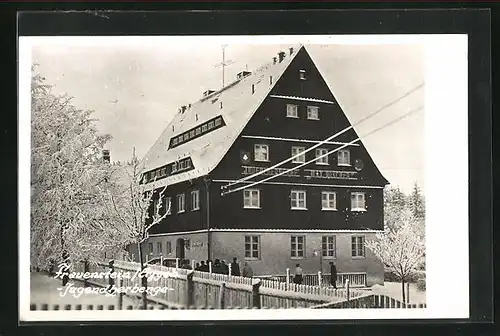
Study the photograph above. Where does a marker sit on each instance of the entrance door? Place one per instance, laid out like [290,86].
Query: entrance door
[179,249]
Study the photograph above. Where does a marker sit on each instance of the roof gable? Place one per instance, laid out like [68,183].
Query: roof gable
[236,103]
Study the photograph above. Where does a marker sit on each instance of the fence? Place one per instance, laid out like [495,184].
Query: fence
[371,301]
[186,288]
[355,279]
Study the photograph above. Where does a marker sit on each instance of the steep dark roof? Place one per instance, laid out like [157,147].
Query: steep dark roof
[236,104]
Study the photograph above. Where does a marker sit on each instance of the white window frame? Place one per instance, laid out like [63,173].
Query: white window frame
[175,141]
[329,195]
[356,204]
[195,200]
[294,252]
[159,248]
[210,125]
[292,111]
[324,159]
[174,167]
[181,138]
[248,195]
[296,150]
[251,243]
[155,205]
[181,203]
[186,136]
[191,134]
[198,131]
[315,115]
[355,252]
[302,74]
[326,243]
[168,247]
[261,147]
[188,164]
[168,205]
[182,165]
[218,121]
[341,157]
[295,203]
[150,248]
[204,127]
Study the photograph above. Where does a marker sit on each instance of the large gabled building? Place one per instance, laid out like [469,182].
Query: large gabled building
[323,210]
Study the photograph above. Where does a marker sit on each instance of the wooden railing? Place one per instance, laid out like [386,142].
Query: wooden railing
[187,288]
[355,279]
[371,301]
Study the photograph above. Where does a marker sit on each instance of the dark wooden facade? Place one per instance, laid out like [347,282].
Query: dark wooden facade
[270,120]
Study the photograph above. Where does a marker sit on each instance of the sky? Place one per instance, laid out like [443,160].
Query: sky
[136,88]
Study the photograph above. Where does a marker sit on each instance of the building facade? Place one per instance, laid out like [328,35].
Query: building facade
[320,206]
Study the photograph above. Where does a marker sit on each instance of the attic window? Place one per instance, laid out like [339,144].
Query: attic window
[302,74]
[186,136]
[191,134]
[198,130]
[204,128]
[218,121]
[175,141]
[174,167]
[210,125]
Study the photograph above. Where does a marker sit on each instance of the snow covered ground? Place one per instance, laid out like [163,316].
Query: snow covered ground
[393,289]
[44,289]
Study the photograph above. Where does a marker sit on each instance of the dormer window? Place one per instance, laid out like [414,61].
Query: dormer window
[302,74]
[175,141]
[218,121]
[210,125]
[204,128]
[186,137]
[198,131]
[191,134]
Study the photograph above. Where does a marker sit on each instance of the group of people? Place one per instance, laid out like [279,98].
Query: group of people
[298,277]
[221,267]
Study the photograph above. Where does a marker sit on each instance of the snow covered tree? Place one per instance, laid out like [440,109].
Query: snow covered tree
[135,208]
[394,203]
[416,202]
[400,248]
[67,176]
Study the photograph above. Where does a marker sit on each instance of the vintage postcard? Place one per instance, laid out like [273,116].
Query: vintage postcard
[243,177]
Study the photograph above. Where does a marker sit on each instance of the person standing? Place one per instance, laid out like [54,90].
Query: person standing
[247,271]
[333,275]
[224,267]
[235,267]
[298,275]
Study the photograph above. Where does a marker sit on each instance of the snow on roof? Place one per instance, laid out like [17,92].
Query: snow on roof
[235,103]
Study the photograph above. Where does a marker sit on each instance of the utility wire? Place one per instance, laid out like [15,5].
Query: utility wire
[326,154]
[328,139]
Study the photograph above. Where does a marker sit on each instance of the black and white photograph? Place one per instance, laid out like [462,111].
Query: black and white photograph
[300,175]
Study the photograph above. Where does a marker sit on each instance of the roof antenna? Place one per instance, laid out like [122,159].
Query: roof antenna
[224,63]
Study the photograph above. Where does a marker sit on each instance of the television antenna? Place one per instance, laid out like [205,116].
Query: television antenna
[224,63]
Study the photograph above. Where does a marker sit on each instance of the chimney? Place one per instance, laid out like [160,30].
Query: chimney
[243,74]
[105,156]
[281,56]
[275,59]
[208,93]
[291,50]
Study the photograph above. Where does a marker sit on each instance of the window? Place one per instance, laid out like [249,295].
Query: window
[159,249]
[155,206]
[187,244]
[251,198]
[328,200]
[210,125]
[312,112]
[358,201]
[198,131]
[218,122]
[191,134]
[182,165]
[168,248]
[292,111]
[358,246]
[297,246]
[261,152]
[174,167]
[298,199]
[150,247]
[175,141]
[302,74]
[204,128]
[181,139]
[300,158]
[188,164]
[328,246]
[321,160]
[168,205]
[186,136]
[343,158]
[195,200]
[252,247]
[180,203]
